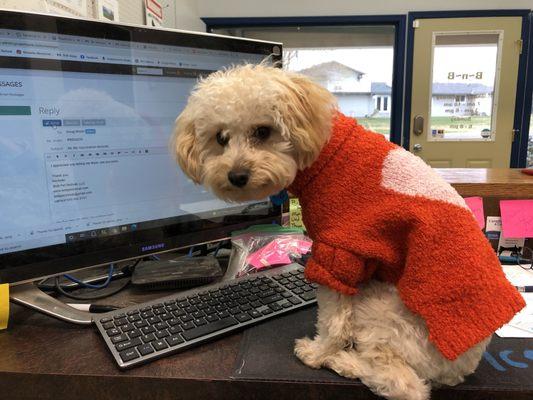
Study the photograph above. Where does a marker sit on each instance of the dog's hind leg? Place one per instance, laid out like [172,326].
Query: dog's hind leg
[333,329]
[383,372]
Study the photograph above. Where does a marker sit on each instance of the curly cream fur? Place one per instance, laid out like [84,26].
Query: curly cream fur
[371,336]
[235,102]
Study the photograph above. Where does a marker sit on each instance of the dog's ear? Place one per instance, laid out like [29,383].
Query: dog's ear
[184,146]
[306,110]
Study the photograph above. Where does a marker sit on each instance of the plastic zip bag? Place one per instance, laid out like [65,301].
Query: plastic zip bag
[265,246]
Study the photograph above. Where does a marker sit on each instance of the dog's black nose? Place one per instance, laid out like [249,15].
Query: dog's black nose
[238,178]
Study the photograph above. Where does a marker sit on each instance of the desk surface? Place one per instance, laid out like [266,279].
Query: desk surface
[495,182]
[48,359]
[44,358]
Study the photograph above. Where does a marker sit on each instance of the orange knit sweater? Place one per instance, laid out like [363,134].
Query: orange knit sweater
[376,211]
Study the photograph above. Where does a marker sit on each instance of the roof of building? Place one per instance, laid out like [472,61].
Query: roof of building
[460,88]
[380,88]
[325,71]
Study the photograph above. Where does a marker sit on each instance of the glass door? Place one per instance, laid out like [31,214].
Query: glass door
[464,89]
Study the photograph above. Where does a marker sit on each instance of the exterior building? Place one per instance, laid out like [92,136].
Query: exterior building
[359,97]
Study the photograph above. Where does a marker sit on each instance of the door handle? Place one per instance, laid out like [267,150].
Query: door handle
[417,147]
[418,125]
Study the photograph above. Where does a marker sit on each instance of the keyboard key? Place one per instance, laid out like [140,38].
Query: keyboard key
[159,311]
[235,310]
[267,311]
[128,355]
[294,300]
[209,328]
[148,329]
[121,321]
[120,338]
[173,321]
[162,334]
[186,318]
[174,340]
[161,325]
[298,291]
[159,344]
[271,299]
[145,309]
[179,313]
[171,308]
[200,321]
[246,307]
[158,305]
[198,314]
[266,293]
[127,328]
[108,325]
[134,334]
[148,338]
[127,344]
[275,307]
[286,304]
[175,329]
[188,325]
[212,318]
[254,314]
[134,318]
[243,317]
[113,332]
[147,314]
[223,314]
[153,320]
[286,294]
[105,320]
[145,349]
[165,316]
[308,296]
[140,324]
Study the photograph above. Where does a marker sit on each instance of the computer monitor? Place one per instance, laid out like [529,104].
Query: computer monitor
[86,112]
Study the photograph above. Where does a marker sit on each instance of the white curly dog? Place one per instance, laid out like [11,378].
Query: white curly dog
[245,134]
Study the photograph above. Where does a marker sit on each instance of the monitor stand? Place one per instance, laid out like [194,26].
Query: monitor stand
[29,295]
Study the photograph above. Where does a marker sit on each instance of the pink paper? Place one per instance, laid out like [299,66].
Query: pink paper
[476,206]
[517,218]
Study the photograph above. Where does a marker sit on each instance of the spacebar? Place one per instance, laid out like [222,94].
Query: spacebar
[209,328]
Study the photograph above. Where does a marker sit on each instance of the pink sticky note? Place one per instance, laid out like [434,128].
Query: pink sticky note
[476,206]
[517,218]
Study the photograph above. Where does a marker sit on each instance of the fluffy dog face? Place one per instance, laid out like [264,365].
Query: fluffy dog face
[246,131]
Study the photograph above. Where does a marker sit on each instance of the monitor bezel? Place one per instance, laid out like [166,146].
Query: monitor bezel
[27,265]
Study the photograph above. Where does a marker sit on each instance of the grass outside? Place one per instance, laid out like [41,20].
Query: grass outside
[379,125]
[475,124]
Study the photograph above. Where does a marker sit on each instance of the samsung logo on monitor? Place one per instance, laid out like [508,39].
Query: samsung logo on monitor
[153,247]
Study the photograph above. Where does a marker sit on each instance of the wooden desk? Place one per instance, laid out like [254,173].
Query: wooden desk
[496,182]
[43,358]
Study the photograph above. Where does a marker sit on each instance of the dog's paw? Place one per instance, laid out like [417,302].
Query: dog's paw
[407,389]
[307,351]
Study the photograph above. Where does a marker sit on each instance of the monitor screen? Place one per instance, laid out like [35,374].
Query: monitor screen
[86,176]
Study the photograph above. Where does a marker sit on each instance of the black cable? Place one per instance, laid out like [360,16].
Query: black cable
[62,291]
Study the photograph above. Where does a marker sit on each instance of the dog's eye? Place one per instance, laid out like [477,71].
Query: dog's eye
[262,133]
[222,140]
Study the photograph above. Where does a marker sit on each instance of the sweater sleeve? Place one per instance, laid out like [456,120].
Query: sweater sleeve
[349,269]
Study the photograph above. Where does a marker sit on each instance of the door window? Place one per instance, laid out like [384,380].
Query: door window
[465,69]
